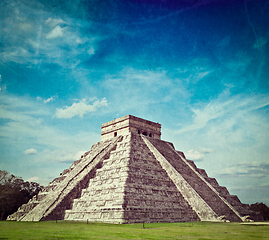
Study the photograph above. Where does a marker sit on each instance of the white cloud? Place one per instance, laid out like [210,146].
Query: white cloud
[223,107]
[31,41]
[252,169]
[195,71]
[194,155]
[16,54]
[48,100]
[32,179]
[198,155]
[19,109]
[82,40]
[24,119]
[55,32]
[30,151]
[45,100]
[143,89]
[80,108]
[53,22]
[202,74]
[61,155]
[91,51]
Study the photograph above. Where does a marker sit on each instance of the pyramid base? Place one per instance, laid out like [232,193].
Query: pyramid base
[128,215]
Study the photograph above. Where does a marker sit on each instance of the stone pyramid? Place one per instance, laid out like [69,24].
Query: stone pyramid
[130,176]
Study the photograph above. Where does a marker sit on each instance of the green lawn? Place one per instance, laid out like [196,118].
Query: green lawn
[79,230]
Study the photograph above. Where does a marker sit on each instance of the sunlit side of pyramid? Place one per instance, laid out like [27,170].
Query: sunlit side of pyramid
[130,176]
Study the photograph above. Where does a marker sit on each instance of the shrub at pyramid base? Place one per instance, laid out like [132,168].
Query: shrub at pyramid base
[131,176]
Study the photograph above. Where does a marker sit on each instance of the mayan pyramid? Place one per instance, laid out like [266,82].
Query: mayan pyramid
[131,176]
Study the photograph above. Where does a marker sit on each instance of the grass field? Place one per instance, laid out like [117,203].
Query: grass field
[79,230]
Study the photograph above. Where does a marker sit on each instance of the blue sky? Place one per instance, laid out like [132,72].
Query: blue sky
[200,68]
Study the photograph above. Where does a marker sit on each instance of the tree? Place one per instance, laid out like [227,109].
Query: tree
[14,192]
[262,208]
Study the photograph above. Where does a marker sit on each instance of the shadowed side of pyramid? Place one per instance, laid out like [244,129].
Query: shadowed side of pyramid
[216,197]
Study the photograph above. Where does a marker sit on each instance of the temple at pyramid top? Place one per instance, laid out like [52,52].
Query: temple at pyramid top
[130,124]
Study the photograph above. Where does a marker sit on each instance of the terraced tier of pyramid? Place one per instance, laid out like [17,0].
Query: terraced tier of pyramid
[130,176]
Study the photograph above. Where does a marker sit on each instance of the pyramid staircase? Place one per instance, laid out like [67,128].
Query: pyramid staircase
[133,178]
